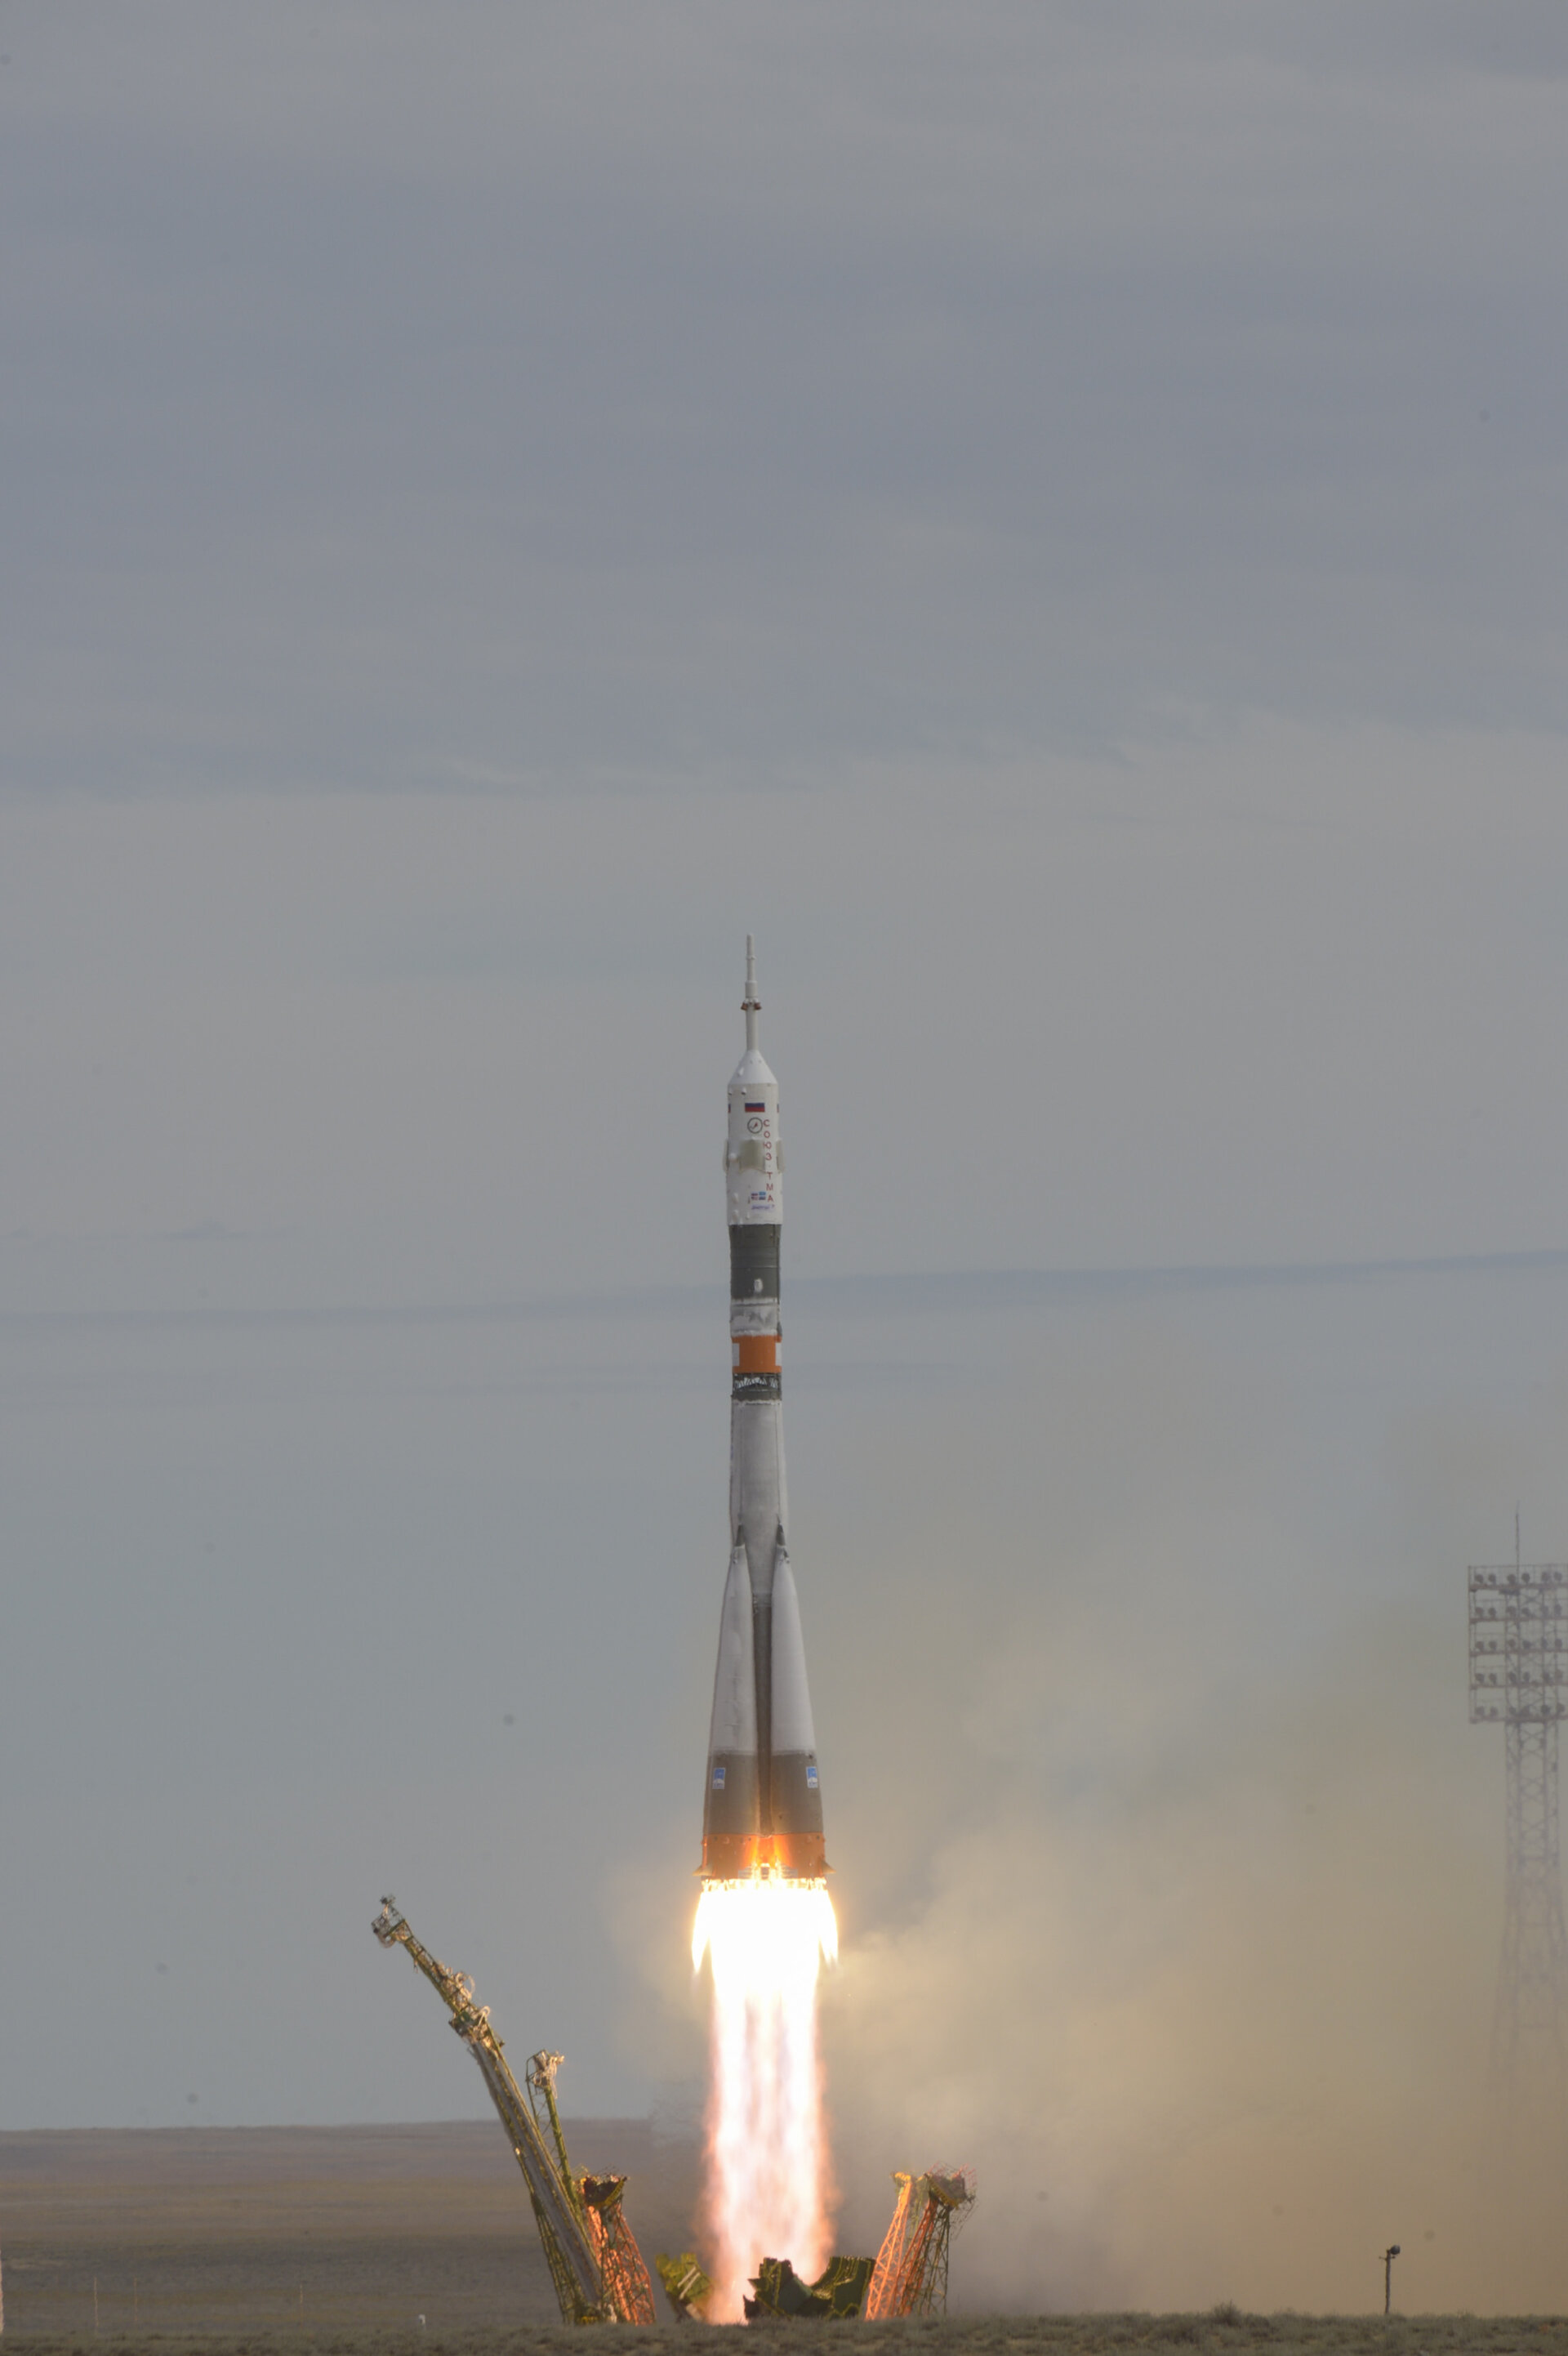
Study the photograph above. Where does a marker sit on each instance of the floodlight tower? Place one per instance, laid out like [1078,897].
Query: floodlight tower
[1518,1677]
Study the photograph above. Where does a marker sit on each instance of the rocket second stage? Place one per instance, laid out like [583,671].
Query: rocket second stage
[763,1810]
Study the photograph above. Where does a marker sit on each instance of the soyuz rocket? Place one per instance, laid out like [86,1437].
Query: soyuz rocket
[763,1811]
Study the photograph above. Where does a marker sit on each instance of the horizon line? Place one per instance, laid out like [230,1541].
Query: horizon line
[950,1289]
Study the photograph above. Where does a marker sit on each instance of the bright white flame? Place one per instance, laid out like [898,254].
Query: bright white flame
[767,2154]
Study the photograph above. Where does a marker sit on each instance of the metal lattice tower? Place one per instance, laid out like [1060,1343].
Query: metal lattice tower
[1518,1678]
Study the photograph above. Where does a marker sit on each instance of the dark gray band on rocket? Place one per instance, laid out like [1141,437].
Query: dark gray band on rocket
[793,1799]
[753,1263]
[752,1386]
[731,1805]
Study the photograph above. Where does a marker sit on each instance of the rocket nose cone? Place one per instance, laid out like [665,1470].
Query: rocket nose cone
[752,1071]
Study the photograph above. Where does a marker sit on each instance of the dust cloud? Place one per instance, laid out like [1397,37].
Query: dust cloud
[1169,1866]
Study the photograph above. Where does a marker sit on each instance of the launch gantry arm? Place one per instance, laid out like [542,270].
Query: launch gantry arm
[595,2263]
[910,2274]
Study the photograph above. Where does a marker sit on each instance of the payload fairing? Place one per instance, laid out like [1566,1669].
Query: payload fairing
[763,1806]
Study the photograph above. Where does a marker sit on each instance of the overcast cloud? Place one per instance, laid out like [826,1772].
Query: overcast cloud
[420,400]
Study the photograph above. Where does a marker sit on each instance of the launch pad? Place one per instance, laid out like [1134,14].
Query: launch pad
[595,2266]
[764,1918]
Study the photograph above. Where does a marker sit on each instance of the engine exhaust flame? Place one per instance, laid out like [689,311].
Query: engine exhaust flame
[768,2187]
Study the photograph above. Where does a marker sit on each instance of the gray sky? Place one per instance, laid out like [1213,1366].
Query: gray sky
[1053,517]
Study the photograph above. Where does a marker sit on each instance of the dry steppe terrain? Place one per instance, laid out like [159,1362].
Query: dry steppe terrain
[226,2232]
[336,2242]
[1025,2335]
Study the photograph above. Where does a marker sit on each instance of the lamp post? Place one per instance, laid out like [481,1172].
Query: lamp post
[1388,2256]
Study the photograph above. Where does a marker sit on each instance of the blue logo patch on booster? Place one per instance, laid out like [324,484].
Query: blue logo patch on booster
[810,1778]
[718,1779]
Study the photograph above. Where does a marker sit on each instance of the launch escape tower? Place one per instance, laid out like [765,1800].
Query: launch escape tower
[1518,1678]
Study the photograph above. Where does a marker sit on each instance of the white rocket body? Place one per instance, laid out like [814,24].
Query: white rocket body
[763,1807]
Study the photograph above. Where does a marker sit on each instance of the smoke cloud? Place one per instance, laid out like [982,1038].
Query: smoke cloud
[1169,1869]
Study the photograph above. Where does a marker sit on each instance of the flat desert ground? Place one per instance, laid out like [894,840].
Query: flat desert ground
[417,2241]
[234,2231]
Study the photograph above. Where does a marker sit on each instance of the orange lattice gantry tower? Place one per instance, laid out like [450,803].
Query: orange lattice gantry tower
[911,2275]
